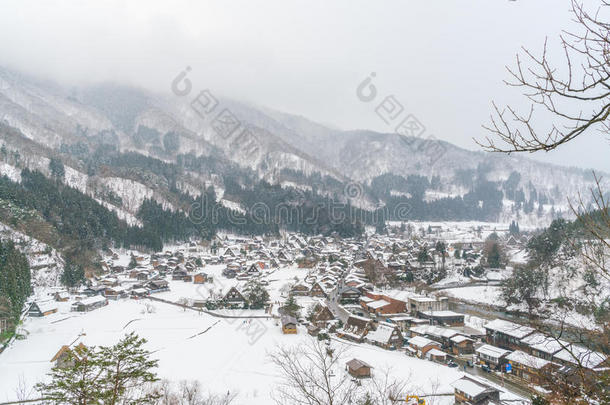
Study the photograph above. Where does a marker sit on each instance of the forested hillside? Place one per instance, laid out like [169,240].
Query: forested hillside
[14,282]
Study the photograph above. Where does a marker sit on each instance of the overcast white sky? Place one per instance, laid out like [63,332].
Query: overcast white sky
[444,60]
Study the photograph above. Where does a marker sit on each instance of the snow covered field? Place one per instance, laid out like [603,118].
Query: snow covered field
[489,295]
[231,355]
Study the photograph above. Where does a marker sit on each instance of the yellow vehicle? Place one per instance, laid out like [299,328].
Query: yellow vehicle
[417,400]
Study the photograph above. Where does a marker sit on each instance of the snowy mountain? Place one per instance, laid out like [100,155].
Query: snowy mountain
[40,118]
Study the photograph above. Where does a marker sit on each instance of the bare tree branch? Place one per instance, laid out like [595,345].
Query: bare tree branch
[575,93]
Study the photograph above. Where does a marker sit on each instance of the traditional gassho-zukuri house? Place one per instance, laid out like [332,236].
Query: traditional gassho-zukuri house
[385,335]
[39,309]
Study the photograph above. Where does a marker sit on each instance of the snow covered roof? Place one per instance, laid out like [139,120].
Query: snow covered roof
[422,299]
[378,304]
[492,351]
[356,364]
[402,318]
[399,295]
[91,300]
[381,335]
[459,338]
[442,314]
[287,320]
[471,387]
[544,343]
[509,328]
[434,331]
[588,359]
[420,341]
[118,289]
[436,352]
[46,306]
[527,359]
[359,318]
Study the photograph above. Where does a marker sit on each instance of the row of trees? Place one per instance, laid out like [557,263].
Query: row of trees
[483,202]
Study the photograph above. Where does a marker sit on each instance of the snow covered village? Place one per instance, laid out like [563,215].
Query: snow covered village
[227,303]
[331,202]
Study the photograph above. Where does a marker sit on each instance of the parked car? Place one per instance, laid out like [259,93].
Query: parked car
[469,363]
[452,364]
[486,368]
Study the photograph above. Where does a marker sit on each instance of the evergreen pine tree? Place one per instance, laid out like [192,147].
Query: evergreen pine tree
[106,375]
[57,168]
[14,279]
[127,365]
[256,294]
[291,307]
[133,262]
[77,383]
[73,275]
[494,256]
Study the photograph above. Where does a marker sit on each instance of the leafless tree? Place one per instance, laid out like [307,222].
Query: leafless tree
[167,396]
[217,399]
[23,391]
[574,96]
[189,393]
[575,93]
[576,383]
[312,374]
[183,302]
[148,308]
[384,389]
[595,220]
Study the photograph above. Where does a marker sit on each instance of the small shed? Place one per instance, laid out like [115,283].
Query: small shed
[289,324]
[358,368]
[437,355]
[313,330]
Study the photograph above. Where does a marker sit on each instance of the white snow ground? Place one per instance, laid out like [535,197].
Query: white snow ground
[231,356]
